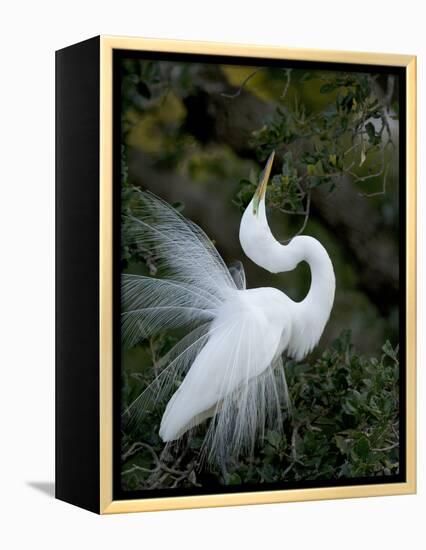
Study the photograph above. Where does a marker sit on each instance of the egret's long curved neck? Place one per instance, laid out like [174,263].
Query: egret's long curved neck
[323,283]
[262,248]
[257,241]
[312,313]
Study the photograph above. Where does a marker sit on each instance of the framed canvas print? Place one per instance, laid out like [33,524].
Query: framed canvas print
[235,274]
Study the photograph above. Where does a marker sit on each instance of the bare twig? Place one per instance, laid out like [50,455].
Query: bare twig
[154,356]
[287,470]
[307,212]
[383,190]
[245,81]
[136,447]
[293,212]
[306,219]
[383,449]
[293,443]
[161,471]
[354,146]
[287,84]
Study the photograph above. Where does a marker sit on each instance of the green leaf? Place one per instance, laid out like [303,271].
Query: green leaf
[389,351]
[273,438]
[234,479]
[362,447]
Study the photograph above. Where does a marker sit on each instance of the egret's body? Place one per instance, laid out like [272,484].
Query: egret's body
[231,359]
[248,331]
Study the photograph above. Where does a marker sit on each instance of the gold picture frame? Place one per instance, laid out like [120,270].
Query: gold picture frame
[107,46]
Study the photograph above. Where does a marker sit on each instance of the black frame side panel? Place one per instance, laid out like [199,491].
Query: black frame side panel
[77,274]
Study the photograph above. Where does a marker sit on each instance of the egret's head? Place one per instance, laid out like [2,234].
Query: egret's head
[254,219]
[256,238]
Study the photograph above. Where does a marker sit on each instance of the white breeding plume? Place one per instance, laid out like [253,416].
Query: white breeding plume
[229,362]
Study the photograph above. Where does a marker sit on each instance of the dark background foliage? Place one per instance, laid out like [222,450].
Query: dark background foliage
[198,135]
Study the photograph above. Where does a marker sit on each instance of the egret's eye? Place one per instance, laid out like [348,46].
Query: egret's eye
[255,205]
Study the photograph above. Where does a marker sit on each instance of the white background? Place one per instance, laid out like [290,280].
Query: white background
[29,33]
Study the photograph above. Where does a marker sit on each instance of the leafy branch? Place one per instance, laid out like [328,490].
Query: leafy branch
[345,423]
[351,132]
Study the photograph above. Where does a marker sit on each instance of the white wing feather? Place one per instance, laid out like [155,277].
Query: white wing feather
[153,305]
[229,381]
[183,251]
[230,360]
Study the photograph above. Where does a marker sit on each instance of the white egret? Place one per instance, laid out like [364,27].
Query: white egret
[229,362]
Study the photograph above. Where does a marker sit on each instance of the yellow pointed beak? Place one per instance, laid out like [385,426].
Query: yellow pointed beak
[261,190]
